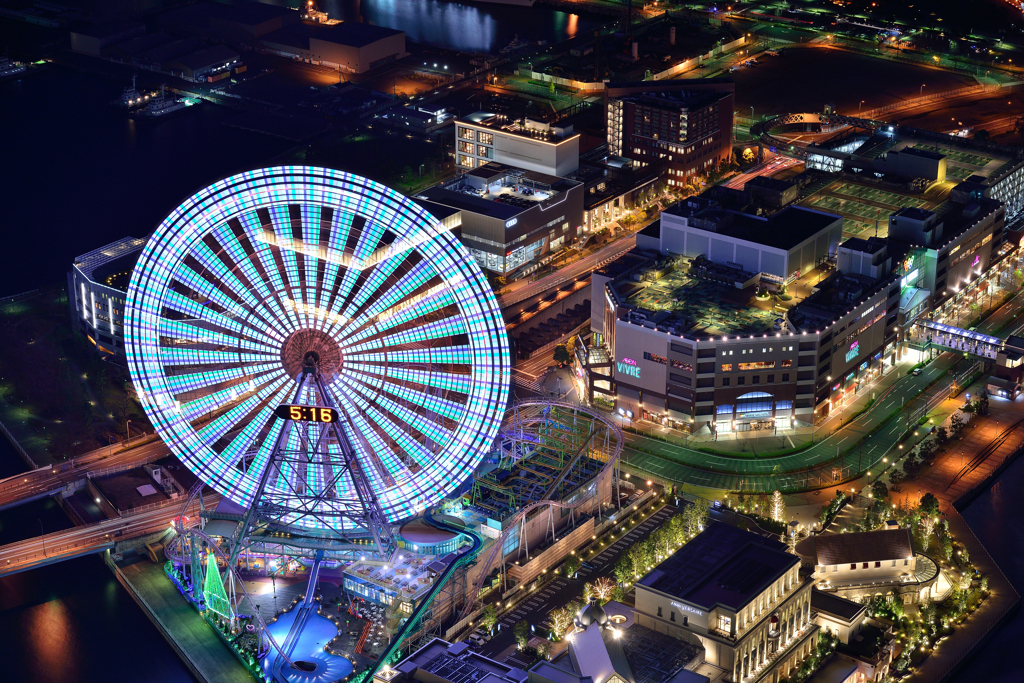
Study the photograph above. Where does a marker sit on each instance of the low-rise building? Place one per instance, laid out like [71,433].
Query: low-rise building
[866,564]
[530,144]
[739,596]
[728,320]
[97,287]
[442,662]
[350,46]
[865,645]
[511,217]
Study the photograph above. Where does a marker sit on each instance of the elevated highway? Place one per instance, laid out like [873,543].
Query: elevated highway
[92,538]
[55,479]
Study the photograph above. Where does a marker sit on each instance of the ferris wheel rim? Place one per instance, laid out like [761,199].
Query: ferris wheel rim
[419,252]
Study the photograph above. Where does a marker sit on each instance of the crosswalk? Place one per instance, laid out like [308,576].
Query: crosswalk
[526,381]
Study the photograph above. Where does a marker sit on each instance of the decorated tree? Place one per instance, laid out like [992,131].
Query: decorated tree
[777,507]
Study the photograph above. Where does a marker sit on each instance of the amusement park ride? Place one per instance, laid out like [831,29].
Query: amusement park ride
[322,352]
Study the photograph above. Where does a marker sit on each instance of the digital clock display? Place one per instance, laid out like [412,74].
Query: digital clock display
[291,411]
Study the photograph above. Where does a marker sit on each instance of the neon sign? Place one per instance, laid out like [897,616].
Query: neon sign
[628,366]
[853,352]
[976,261]
[686,608]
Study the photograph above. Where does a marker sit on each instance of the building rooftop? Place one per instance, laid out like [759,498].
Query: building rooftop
[835,605]
[783,230]
[456,663]
[871,245]
[499,191]
[677,99]
[692,302]
[865,546]
[523,127]
[836,295]
[351,34]
[100,264]
[723,565]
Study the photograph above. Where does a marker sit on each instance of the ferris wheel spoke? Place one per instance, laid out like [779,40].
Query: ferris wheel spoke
[438,379]
[215,268]
[171,356]
[189,331]
[413,308]
[370,233]
[458,355]
[405,287]
[229,420]
[438,329]
[176,301]
[409,446]
[435,432]
[265,273]
[430,402]
[385,466]
[239,376]
[378,276]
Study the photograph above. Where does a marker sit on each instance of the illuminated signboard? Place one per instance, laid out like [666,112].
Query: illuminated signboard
[509,224]
[853,352]
[837,386]
[686,608]
[628,366]
[290,411]
[976,261]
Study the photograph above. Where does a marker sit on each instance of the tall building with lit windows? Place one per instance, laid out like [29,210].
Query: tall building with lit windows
[685,124]
[97,285]
[525,143]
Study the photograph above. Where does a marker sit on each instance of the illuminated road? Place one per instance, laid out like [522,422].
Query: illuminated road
[92,538]
[524,289]
[777,164]
[46,481]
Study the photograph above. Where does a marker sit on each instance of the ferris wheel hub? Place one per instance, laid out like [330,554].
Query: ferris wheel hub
[310,348]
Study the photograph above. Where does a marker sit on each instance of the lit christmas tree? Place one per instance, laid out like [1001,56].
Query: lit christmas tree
[213,590]
[777,507]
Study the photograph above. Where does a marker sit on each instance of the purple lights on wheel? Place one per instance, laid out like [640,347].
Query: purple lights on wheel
[249,275]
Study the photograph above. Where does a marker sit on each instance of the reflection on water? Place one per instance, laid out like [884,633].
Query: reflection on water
[464,26]
[73,623]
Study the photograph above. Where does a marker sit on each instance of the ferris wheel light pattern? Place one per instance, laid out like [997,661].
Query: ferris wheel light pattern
[249,275]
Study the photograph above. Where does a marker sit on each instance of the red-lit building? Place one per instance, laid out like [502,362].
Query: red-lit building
[685,125]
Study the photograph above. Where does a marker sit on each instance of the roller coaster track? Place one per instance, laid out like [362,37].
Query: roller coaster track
[985,452]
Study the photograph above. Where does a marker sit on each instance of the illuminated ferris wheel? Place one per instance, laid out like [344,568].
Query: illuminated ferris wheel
[314,343]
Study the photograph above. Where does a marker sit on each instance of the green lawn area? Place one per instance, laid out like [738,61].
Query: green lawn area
[57,396]
[390,159]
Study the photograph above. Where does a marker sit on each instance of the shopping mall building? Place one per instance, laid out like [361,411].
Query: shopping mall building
[736,322]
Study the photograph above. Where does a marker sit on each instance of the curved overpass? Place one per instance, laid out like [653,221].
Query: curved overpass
[761,131]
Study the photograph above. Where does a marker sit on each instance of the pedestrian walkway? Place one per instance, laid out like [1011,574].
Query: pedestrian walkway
[204,651]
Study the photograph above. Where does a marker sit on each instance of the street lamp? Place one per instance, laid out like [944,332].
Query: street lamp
[42,536]
[861,106]
[127,431]
[921,91]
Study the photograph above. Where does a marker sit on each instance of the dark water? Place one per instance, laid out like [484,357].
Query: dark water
[72,622]
[76,175]
[997,517]
[464,26]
